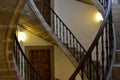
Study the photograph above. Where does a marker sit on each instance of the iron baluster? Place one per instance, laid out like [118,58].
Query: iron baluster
[67,37]
[70,41]
[97,63]
[90,68]
[107,53]
[63,34]
[53,20]
[102,53]
[60,28]
[56,26]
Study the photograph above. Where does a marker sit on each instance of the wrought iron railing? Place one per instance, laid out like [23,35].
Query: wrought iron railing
[101,47]
[60,29]
[64,34]
[104,3]
[26,70]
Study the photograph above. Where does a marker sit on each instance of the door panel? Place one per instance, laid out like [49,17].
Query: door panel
[40,60]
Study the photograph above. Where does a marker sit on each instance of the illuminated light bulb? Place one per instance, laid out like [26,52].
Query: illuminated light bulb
[99,17]
[21,36]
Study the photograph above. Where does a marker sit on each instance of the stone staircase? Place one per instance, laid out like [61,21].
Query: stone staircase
[9,13]
[7,68]
[116,21]
[6,72]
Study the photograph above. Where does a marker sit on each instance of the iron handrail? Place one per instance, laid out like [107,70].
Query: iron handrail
[94,43]
[64,29]
[60,29]
[17,52]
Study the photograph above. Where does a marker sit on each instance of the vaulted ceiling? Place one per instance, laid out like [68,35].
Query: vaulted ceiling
[86,1]
[30,23]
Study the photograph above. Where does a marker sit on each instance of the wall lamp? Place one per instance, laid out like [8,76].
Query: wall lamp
[99,17]
[21,36]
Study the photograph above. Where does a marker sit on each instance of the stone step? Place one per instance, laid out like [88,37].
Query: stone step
[8,78]
[3,33]
[4,55]
[115,9]
[5,15]
[4,27]
[116,17]
[117,24]
[117,33]
[7,72]
[117,43]
[3,44]
[116,72]
[6,65]
[117,57]
[8,4]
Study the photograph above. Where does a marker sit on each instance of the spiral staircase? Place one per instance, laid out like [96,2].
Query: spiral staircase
[14,65]
[9,14]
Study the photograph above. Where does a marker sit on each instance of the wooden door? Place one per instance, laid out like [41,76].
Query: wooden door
[40,59]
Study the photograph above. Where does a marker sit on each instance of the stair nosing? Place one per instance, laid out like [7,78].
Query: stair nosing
[4,27]
[8,69]
[6,61]
[116,65]
[8,76]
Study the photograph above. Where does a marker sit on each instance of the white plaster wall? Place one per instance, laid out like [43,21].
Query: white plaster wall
[63,67]
[80,18]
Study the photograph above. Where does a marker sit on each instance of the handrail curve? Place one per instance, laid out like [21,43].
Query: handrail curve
[95,41]
[64,34]
[60,29]
[26,69]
